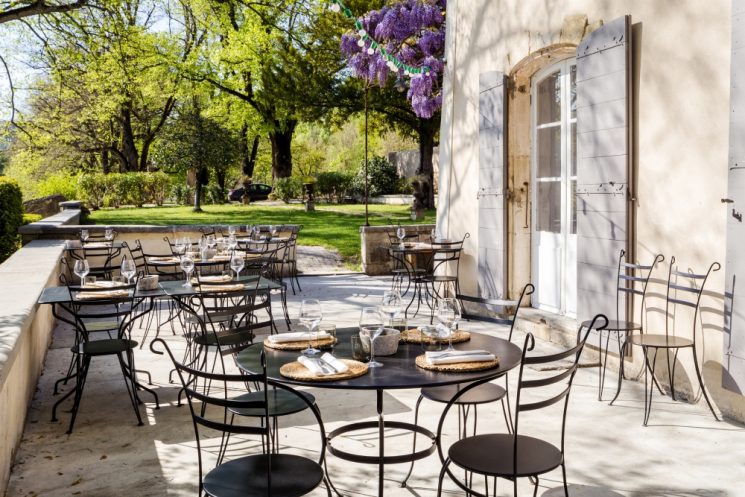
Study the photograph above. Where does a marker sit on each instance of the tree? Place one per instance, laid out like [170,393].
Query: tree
[194,141]
[13,10]
[403,40]
[280,59]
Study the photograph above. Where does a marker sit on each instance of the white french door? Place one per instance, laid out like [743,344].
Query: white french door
[554,175]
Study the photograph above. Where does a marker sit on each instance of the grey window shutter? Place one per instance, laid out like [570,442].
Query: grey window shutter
[491,198]
[603,164]
[734,325]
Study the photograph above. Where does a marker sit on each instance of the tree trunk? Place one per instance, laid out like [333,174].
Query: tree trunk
[144,154]
[198,197]
[249,160]
[105,161]
[282,151]
[426,152]
[128,148]
[220,177]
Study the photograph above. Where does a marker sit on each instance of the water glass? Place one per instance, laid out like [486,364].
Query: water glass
[89,281]
[401,234]
[391,304]
[371,326]
[81,269]
[84,235]
[236,264]
[399,323]
[331,330]
[187,266]
[448,313]
[231,230]
[359,351]
[109,234]
[128,269]
[310,317]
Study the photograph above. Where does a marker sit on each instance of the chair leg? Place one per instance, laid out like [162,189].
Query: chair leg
[564,476]
[442,476]
[535,485]
[621,371]
[82,375]
[129,379]
[701,383]
[603,363]
[672,375]
[648,399]
[413,448]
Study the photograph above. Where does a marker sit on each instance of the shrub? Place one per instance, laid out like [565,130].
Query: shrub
[382,177]
[333,183]
[11,216]
[92,189]
[157,187]
[214,194]
[59,183]
[287,189]
[31,218]
[182,193]
[115,189]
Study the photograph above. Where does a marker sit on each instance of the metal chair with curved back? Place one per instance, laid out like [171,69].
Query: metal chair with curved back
[443,280]
[686,291]
[260,475]
[487,392]
[513,455]
[629,277]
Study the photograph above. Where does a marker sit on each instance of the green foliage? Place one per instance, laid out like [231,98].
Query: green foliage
[59,183]
[215,195]
[182,193]
[116,189]
[31,218]
[11,216]
[382,177]
[287,189]
[334,184]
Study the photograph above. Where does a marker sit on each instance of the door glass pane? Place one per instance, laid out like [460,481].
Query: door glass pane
[549,99]
[573,91]
[548,209]
[573,146]
[573,206]
[549,152]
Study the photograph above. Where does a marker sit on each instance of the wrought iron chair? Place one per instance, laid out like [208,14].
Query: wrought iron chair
[684,289]
[443,281]
[513,455]
[487,392]
[94,309]
[630,278]
[259,475]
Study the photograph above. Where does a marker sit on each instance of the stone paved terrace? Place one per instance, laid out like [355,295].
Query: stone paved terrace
[683,452]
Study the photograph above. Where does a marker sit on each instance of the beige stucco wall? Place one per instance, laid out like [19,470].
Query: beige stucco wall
[682,73]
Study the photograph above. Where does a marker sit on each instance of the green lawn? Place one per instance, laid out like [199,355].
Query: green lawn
[332,226]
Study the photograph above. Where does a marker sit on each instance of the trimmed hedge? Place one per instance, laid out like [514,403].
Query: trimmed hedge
[286,189]
[11,216]
[115,189]
[334,184]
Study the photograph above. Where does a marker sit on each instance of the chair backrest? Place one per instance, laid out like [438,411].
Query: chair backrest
[138,257]
[686,288]
[550,381]
[446,254]
[631,276]
[90,306]
[508,308]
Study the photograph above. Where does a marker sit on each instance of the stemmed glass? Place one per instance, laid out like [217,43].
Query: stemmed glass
[187,266]
[232,242]
[391,305]
[236,264]
[371,326]
[128,269]
[109,234]
[81,269]
[210,241]
[84,235]
[448,313]
[182,245]
[231,230]
[310,317]
[401,234]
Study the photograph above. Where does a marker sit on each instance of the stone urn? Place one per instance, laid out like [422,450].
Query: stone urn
[310,203]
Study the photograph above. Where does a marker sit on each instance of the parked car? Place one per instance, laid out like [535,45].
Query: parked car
[256,191]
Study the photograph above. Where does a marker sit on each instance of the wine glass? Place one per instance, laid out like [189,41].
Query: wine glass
[401,234]
[128,269]
[236,264]
[391,305]
[81,269]
[232,242]
[448,313]
[371,326]
[187,266]
[231,230]
[109,234]
[210,241]
[310,316]
[84,235]
[433,235]
[274,230]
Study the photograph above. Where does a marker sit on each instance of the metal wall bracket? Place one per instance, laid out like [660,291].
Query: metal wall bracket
[491,192]
[610,188]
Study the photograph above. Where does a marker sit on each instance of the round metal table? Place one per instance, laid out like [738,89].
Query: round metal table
[398,372]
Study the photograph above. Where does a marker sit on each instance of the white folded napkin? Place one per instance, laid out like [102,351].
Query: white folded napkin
[313,366]
[334,363]
[458,356]
[298,336]
[216,278]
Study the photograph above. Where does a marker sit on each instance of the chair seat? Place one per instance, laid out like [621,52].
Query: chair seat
[482,394]
[107,346]
[281,402]
[616,325]
[226,338]
[660,341]
[291,476]
[101,325]
[493,454]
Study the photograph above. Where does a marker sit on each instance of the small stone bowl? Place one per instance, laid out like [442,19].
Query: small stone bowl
[149,282]
[386,343]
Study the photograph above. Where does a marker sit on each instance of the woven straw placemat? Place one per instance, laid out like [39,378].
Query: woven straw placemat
[299,345]
[296,371]
[414,335]
[460,367]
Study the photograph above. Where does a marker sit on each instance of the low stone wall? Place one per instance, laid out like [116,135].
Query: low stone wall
[393,199]
[44,206]
[25,334]
[375,243]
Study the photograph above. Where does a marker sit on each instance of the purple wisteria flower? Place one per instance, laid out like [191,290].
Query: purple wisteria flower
[414,32]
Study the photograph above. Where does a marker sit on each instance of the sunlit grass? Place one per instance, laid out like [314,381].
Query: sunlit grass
[332,226]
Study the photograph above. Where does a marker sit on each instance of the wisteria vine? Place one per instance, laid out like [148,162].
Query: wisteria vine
[403,39]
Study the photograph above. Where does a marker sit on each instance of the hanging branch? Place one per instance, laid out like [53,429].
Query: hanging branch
[12,97]
[37,8]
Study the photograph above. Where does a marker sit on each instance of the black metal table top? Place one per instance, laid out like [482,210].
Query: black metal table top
[399,371]
[61,294]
